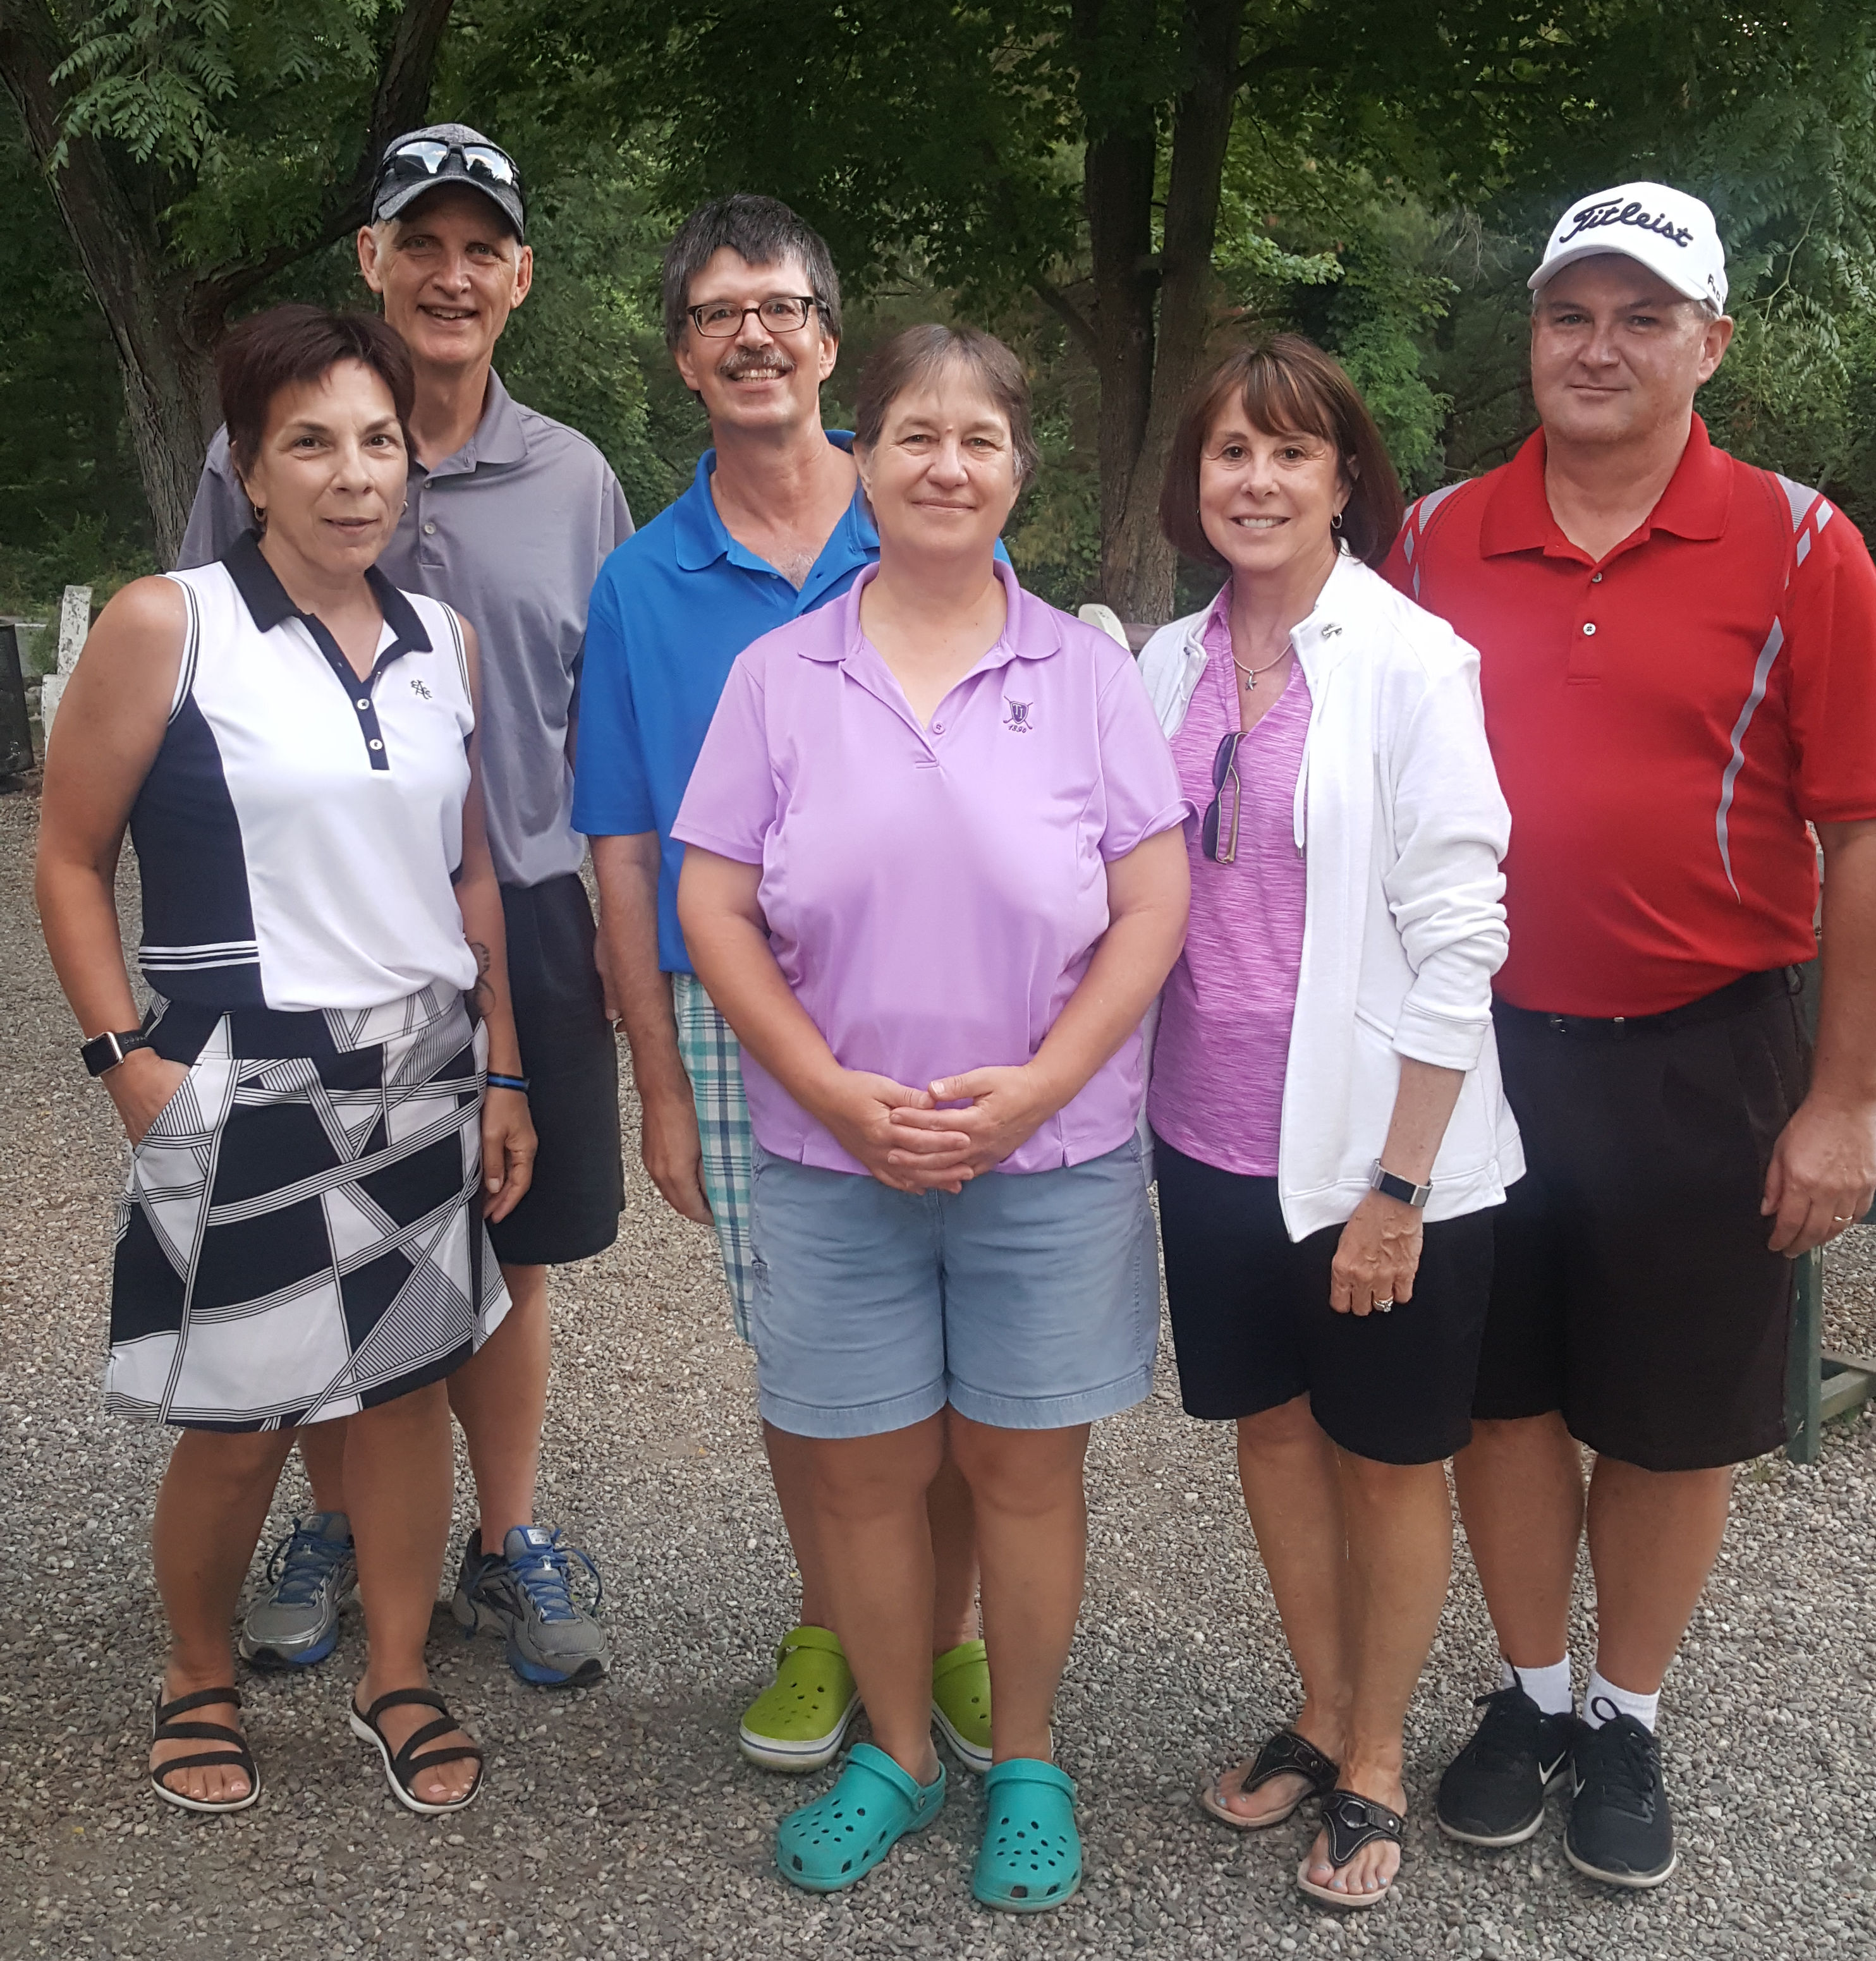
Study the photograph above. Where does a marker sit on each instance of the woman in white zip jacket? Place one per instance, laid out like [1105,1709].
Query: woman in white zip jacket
[1330,1131]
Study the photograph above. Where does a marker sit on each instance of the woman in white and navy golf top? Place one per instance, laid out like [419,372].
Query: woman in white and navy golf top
[289,739]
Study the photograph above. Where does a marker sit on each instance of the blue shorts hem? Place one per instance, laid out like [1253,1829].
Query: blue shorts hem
[831,1424]
[1053,1412]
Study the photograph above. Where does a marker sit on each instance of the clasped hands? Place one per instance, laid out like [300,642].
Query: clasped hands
[907,1140]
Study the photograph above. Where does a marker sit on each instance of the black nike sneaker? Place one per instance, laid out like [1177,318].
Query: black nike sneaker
[1620,1830]
[1493,1791]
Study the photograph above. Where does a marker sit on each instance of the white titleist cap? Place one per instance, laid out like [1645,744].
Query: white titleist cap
[1668,232]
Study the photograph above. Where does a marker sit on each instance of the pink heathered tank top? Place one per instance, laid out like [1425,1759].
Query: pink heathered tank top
[1223,1041]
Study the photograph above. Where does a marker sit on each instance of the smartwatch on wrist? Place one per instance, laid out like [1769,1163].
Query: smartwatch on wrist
[1388,1186]
[106,1051]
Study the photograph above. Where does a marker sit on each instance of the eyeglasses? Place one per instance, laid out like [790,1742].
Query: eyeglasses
[786,312]
[428,157]
[1224,771]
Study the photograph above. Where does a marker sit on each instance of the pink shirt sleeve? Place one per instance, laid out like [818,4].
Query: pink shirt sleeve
[1139,783]
[729,806]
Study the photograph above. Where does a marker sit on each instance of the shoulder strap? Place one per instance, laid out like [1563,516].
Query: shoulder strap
[1418,523]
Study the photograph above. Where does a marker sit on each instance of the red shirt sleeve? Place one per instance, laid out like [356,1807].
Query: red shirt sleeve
[1830,616]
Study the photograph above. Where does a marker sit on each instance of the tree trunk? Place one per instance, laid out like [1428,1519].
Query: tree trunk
[1146,366]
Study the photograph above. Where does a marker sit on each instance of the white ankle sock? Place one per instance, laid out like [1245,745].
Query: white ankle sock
[1602,1702]
[1549,1688]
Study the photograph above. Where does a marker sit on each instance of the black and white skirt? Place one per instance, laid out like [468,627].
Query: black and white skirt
[301,1234]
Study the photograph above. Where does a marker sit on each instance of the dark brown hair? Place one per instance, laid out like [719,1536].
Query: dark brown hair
[286,345]
[911,358]
[1285,384]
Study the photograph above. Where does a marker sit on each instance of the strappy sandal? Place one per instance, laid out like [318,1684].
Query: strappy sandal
[234,1753]
[402,1765]
[1285,1755]
[1351,1821]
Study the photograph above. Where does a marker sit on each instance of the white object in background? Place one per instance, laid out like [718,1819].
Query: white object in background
[1108,620]
[75,622]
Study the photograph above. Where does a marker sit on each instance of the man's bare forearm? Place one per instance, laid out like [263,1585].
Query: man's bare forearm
[1844,1071]
[627,870]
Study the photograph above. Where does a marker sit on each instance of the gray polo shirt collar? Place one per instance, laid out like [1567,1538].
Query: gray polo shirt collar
[500,440]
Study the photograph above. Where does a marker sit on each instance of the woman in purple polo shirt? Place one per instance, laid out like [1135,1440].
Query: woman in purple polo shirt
[1330,1128]
[934,878]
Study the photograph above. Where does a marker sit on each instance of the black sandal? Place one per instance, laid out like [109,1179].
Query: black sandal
[234,1752]
[402,1766]
[1285,1755]
[1351,1821]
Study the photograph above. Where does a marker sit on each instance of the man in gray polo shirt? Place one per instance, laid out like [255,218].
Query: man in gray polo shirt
[510,517]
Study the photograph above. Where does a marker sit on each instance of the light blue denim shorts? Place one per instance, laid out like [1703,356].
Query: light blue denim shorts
[1026,1301]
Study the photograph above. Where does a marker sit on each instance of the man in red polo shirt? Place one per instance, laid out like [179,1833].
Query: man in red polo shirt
[1678,667]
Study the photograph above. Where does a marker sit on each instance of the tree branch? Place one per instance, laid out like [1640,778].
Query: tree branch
[1071,316]
[402,96]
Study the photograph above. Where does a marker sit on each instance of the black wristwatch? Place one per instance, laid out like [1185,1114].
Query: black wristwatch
[1388,1186]
[106,1051]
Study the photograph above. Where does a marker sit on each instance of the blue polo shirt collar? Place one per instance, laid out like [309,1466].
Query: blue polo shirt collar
[701,537]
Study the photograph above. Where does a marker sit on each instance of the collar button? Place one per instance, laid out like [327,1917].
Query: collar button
[1596,579]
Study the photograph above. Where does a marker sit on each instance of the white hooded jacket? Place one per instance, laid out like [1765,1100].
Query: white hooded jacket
[1398,811]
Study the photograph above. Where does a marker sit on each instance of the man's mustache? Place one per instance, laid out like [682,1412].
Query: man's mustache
[739,364]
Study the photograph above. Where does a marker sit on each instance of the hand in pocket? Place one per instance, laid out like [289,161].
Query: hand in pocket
[140,1086]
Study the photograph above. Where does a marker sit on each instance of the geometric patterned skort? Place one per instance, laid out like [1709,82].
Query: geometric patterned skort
[301,1234]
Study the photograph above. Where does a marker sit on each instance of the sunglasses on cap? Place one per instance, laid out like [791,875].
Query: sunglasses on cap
[424,157]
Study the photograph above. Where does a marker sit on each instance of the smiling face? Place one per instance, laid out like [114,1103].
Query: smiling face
[942,478]
[330,469]
[1616,353]
[1266,500]
[450,272]
[755,379]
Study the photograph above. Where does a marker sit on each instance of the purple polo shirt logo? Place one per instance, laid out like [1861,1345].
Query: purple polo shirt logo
[1017,721]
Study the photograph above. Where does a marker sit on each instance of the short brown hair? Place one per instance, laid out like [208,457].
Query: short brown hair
[914,357]
[289,344]
[1285,382]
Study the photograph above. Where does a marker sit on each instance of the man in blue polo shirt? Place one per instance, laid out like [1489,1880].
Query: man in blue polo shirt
[773,526]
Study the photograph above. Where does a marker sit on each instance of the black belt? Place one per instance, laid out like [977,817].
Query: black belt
[1734,999]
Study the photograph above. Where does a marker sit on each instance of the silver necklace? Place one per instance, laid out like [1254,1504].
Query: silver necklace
[1250,674]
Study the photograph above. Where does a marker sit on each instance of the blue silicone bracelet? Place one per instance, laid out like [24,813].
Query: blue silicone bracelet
[507,1082]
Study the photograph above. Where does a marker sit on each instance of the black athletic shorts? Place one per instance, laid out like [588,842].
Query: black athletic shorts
[1252,1326]
[1635,1291]
[570,1056]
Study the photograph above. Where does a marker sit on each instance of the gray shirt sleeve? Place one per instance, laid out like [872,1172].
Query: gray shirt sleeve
[220,513]
[615,527]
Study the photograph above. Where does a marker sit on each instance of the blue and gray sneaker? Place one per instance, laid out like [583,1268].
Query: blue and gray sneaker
[311,1573]
[526,1590]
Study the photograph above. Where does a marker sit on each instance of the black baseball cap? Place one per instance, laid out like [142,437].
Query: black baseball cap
[448,153]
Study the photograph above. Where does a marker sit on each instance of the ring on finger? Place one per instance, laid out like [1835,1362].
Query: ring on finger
[1384,1306]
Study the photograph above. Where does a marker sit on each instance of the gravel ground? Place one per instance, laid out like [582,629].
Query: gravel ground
[621,1824]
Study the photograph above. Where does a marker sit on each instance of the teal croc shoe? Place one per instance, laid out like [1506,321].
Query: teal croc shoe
[839,1838]
[1030,1857]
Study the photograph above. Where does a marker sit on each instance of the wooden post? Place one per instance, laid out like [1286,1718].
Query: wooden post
[75,624]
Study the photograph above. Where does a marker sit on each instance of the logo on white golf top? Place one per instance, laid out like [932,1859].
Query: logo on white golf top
[1608,212]
[1018,718]
[417,688]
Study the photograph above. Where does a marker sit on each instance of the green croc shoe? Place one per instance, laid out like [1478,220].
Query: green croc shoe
[800,1720]
[960,1704]
[1030,1857]
[839,1838]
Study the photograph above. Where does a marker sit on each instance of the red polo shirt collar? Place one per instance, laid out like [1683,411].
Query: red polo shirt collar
[1517,516]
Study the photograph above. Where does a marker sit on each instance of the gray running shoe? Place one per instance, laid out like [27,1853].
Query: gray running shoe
[525,1589]
[312,1572]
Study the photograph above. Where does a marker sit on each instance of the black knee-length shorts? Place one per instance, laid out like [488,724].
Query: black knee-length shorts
[1252,1326]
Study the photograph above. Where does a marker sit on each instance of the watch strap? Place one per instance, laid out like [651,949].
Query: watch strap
[1388,1186]
[106,1051]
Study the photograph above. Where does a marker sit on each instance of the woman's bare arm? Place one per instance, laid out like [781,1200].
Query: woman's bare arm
[109,727]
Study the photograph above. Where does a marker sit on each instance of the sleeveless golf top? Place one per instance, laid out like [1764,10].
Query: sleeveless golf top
[299,832]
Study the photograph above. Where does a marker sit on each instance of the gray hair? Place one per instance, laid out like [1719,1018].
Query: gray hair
[761,231]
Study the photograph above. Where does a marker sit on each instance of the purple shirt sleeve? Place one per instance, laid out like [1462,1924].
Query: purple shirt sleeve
[1141,784]
[729,806]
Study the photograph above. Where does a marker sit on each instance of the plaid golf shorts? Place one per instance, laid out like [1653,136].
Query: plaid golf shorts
[712,1060]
